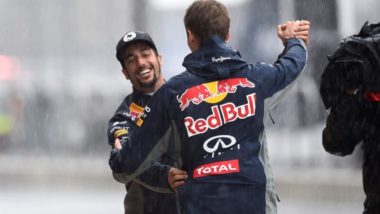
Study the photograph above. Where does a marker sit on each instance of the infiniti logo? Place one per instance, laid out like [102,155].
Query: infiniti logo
[221,141]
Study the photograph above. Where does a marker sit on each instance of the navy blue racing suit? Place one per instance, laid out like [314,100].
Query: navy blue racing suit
[216,110]
[149,193]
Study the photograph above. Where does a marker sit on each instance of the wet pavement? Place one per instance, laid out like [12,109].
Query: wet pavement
[58,185]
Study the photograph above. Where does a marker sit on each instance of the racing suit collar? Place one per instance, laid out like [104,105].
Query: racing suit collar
[214,60]
[140,97]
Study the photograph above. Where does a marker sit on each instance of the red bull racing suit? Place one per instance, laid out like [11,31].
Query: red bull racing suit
[216,111]
[149,193]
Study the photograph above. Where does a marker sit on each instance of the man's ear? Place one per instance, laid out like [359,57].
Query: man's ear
[192,40]
[191,37]
[160,59]
[125,73]
[228,36]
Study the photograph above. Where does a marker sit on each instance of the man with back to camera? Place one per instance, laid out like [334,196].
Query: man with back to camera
[152,191]
[217,109]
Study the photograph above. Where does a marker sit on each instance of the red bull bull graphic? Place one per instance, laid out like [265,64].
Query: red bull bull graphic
[212,92]
[221,114]
[230,85]
[195,95]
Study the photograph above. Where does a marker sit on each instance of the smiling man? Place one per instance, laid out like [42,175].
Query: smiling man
[152,191]
[141,62]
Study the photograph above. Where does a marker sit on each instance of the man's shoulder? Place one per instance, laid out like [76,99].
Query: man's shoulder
[125,102]
[182,80]
[178,81]
[178,78]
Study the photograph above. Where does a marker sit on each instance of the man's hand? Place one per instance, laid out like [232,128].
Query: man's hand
[294,29]
[117,144]
[176,178]
[302,32]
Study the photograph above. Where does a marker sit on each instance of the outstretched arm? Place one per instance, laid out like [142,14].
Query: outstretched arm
[300,32]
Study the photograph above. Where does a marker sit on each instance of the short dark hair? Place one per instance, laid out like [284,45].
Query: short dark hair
[206,18]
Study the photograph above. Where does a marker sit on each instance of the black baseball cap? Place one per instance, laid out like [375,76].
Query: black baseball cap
[130,38]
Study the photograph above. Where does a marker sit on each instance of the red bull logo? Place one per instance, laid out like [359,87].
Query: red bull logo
[220,115]
[212,92]
[135,111]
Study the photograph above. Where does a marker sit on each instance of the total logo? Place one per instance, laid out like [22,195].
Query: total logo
[220,115]
[212,92]
[219,143]
[217,168]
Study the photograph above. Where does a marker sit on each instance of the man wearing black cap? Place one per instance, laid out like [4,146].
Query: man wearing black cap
[152,191]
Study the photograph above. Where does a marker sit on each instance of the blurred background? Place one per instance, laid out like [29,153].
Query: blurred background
[60,82]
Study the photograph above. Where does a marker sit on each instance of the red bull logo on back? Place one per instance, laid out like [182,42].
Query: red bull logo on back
[212,92]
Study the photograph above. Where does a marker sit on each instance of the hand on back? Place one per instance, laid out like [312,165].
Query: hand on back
[176,178]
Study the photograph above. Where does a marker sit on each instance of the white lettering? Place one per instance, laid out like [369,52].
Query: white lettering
[220,59]
[217,168]
[228,113]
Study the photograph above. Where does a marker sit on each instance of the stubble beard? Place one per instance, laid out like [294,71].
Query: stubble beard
[151,83]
